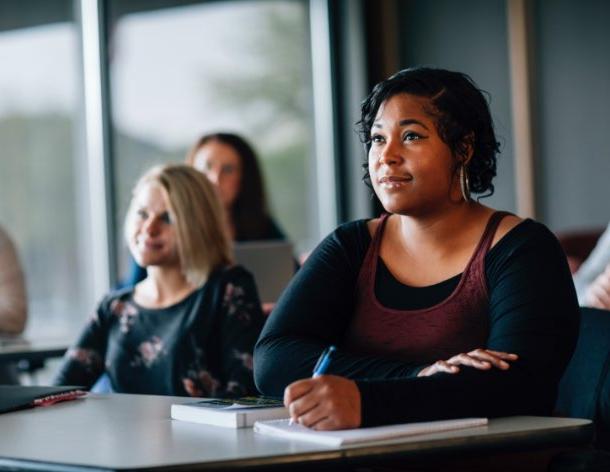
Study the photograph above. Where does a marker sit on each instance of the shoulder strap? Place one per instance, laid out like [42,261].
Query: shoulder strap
[377,236]
[491,228]
[488,235]
[369,261]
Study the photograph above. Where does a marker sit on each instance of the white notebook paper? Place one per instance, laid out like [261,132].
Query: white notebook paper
[282,428]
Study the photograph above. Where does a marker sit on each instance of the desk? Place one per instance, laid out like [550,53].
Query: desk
[29,355]
[14,349]
[135,432]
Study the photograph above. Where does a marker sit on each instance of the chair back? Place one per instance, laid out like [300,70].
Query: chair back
[584,388]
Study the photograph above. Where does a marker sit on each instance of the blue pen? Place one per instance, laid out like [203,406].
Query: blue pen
[324,361]
[321,367]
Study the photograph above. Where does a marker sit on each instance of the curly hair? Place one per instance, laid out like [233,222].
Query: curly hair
[461,115]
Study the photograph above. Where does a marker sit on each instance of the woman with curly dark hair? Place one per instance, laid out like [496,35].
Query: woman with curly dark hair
[440,308]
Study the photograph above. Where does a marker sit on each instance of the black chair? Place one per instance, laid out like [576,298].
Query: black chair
[584,392]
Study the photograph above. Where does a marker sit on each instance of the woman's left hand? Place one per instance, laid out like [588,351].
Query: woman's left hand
[482,359]
[326,402]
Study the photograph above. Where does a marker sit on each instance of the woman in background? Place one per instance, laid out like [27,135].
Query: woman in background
[230,163]
[13,300]
[190,326]
[592,280]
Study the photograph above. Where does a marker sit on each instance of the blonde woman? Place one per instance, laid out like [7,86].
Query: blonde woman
[190,326]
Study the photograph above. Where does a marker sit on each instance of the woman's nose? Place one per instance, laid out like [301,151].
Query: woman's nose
[389,154]
[213,176]
[151,226]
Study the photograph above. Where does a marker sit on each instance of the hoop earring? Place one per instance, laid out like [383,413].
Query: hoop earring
[464,184]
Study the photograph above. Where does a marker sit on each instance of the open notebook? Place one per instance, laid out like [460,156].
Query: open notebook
[345,437]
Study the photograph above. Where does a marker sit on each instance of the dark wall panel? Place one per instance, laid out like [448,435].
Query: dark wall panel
[469,36]
[573,88]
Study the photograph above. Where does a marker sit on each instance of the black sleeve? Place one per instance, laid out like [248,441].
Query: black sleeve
[83,363]
[314,312]
[533,313]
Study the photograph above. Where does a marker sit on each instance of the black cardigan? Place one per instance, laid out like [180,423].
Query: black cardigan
[200,346]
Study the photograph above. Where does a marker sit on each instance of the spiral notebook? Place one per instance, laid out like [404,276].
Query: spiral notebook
[346,437]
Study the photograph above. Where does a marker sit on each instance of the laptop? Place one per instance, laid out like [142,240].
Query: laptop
[270,262]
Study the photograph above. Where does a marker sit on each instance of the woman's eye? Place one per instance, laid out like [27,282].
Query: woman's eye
[412,136]
[166,218]
[228,169]
[376,139]
[142,214]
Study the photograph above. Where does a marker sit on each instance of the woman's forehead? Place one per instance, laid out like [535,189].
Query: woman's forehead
[404,106]
[217,150]
[151,194]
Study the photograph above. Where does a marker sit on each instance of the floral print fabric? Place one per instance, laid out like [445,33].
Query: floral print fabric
[201,346]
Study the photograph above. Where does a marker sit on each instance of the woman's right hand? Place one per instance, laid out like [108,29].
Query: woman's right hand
[482,359]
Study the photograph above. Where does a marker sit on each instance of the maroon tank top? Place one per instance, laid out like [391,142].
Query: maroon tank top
[459,323]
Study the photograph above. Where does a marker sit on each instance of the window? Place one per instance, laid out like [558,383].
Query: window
[244,67]
[42,197]
[177,69]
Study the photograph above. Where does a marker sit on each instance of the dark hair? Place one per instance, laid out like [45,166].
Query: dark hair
[460,110]
[249,212]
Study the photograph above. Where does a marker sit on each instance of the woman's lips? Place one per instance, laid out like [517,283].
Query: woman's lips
[394,181]
[151,246]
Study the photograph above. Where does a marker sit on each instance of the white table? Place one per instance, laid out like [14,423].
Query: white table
[135,432]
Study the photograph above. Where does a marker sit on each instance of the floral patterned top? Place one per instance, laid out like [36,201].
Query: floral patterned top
[200,346]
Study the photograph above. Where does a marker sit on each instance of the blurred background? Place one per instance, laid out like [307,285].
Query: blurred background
[92,92]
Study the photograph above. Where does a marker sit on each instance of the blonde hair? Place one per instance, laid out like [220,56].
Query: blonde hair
[202,235]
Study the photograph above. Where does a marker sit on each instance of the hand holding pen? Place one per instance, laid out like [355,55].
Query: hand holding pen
[322,365]
[324,402]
